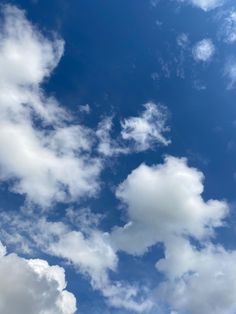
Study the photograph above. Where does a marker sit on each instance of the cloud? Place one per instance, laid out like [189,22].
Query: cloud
[228,29]
[44,155]
[142,132]
[32,286]
[199,280]
[230,72]
[148,129]
[165,205]
[203,50]
[52,159]
[205,5]
[107,145]
[89,251]
[162,201]
[182,40]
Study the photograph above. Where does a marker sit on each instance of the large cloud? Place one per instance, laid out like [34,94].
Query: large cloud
[47,159]
[90,252]
[165,204]
[198,280]
[32,286]
[162,201]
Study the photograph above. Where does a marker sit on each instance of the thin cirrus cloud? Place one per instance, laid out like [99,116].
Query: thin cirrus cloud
[230,72]
[205,5]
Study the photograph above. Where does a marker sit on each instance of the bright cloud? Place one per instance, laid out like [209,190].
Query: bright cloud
[203,50]
[32,286]
[90,252]
[211,267]
[148,129]
[49,160]
[164,204]
[163,201]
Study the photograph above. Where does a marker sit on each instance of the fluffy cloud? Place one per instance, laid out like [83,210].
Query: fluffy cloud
[203,50]
[163,201]
[46,158]
[142,132]
[50,159]
[164,204]
[199,281]
[32,286]
[90,252]
[148,129]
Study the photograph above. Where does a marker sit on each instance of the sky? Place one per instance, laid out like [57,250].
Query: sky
[117,157]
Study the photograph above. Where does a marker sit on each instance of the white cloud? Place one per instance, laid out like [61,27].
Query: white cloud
[164,204]
[182,40]
[85,108]
[108,146]
[230,72]
[203,50]
[32,286]
[199,281]
[147,129]
[228,29]
[90,252]
[50,159]
[162,201]
[46,158]
[142,132]
[205,5]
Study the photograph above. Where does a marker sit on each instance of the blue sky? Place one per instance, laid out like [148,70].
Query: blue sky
[117,157]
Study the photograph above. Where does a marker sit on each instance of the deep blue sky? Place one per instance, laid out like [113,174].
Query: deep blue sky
[113,53]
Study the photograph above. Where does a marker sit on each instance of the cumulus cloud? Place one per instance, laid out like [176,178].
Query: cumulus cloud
[32,286]
[203,50]
[199,281]
[51,159]
[147,129]
[89,251]
[165,205]
[165,200]
[45,157]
